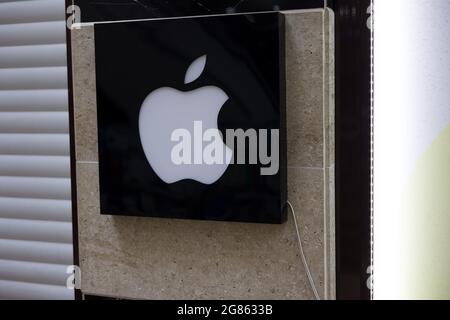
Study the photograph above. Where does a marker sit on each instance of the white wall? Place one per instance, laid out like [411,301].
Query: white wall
[412,149]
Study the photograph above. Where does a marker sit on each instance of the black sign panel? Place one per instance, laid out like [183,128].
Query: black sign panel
[165,90]
[115,10]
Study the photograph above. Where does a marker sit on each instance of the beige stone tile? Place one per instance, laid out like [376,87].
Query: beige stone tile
[175,259]
[304,88]
[169,259]
[84,93]
[306,194]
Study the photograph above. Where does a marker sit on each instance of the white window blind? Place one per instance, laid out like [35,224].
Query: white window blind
[35,208]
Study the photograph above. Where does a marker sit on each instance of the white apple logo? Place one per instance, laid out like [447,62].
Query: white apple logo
[165,110]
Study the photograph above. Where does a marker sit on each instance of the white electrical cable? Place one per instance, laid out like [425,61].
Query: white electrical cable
[302,254]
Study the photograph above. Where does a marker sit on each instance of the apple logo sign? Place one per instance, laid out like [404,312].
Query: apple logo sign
[165,110]
[186,109]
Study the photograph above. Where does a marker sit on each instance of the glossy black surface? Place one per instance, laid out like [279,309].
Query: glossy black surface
[353,153]
[113,10]
[245,59]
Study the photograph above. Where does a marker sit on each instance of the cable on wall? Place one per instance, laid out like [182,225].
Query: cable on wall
[302,254]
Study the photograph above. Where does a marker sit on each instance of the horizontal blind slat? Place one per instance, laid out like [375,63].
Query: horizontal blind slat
[35,166]
[36,209]
[30,230]
[46,188]
[33,33]
[4,1]
[33,100]
[33,78]
[31,11]
[34,122]
[34,144]
[32,291]
[46,252]
[33,56]
[33,272]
